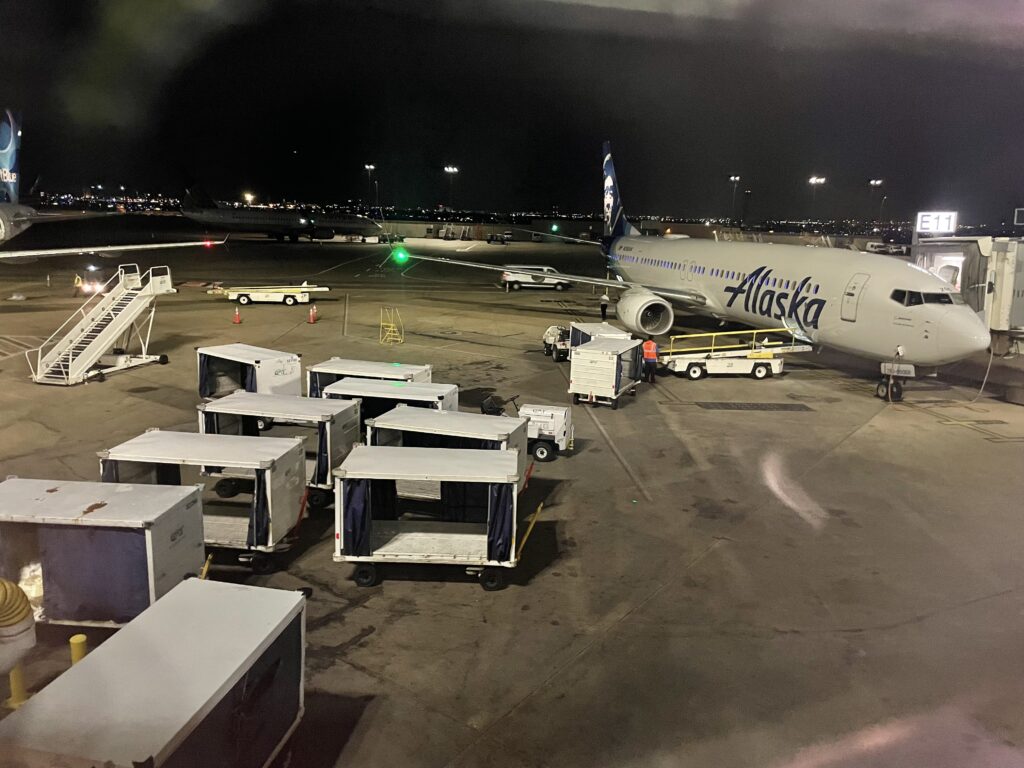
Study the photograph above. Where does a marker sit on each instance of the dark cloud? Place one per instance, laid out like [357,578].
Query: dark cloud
[293,98]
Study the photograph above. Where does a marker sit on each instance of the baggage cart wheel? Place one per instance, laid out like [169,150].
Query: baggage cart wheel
[547,350]
[575,398]
[761,371]
[226,488]
[365,575]
[694,371]
[289,301]
[244,299]
[492,579]
[514,286]
[560,286]
[261,563]
[319,498]
[614,403]
[632,392]
[543,451]
[263,423]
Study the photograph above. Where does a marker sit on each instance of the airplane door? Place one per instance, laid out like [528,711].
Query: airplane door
[851,297]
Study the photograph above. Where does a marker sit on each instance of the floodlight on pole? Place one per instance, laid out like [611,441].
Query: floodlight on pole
[249,197]
[876,182]
[815,182]
[451,170]
[735,180]
[369,168]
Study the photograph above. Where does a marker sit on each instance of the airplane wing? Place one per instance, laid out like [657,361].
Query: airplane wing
[41,253]
[688,298]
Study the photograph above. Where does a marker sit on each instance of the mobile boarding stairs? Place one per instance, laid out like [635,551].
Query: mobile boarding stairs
[94,340]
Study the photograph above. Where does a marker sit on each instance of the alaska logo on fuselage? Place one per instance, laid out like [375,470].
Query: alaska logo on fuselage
[761,299]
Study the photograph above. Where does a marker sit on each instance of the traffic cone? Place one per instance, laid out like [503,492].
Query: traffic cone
[312,314]
[237,319]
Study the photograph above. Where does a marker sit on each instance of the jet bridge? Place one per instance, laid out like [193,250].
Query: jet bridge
[989,273]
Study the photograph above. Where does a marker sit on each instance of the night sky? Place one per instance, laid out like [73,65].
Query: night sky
[292,98]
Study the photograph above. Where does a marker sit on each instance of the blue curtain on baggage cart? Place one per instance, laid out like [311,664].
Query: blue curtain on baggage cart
[323,456]
[249,377]
[205,386]
[499,527]
[356,518]
[258,533]
[108,471]
[211,424]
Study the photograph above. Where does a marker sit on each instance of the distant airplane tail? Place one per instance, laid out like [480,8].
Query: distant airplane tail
[615,222]
[197,198]
[10,142]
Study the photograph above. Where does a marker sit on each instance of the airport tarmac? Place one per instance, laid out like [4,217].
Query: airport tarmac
[725,572]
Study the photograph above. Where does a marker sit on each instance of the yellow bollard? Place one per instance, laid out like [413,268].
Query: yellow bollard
[79,647]
[18,693]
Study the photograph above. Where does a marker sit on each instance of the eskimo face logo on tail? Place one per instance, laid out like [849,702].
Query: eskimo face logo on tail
[10,140]
[760,298]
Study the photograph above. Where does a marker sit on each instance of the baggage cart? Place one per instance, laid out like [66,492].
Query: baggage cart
[322,374]
[211,674]
[225,368]
[582,333]
[473,524]
[747,353]
[604,369]
[378,397]
[329,429]
[97,554]
[268,472]
[289,295]
[427,428]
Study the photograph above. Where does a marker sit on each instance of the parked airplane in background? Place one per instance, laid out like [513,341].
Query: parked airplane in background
[865,304]
[278,223]
[16,218]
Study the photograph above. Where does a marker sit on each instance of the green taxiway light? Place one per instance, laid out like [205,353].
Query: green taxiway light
[400,255]
[554,227]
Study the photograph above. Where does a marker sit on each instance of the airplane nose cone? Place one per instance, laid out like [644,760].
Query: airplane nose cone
[961,334]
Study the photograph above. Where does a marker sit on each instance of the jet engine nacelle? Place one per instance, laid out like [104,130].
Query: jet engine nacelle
[644,313]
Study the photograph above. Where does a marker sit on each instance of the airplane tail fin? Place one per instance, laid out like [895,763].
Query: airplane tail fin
[615,222]
[10,143]
[197,198]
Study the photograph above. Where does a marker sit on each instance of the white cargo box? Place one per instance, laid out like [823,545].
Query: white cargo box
[603,370]
[473,524]
[211,674]
[226,368]
[333,426]
[427,428]
[319,376]
[274,466]
[378,396]
[581,333]
[97,553]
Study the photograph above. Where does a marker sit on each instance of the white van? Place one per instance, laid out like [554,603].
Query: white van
[514,280]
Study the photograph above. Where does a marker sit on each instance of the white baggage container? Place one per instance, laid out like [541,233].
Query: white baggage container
[581,333]
[226,368]
[333,426]
[603,370]
[210,675]
[270,471]
[427,428]
[97,553]
[378,397]
[473,524]
[319,376]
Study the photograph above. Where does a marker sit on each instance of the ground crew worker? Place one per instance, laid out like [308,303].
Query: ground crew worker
[605,301]
[650,360]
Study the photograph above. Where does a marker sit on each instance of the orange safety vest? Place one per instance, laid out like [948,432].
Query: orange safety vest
[650,351]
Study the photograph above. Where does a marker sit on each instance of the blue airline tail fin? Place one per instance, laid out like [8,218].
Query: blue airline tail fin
[10,142]
[615,222]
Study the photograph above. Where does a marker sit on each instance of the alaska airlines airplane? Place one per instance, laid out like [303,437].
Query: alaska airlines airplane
[865,304]
[16,218]
[276,223]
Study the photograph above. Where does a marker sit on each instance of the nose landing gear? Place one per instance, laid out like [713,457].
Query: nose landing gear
[889,389]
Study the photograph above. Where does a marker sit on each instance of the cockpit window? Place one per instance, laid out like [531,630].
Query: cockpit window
[915,298]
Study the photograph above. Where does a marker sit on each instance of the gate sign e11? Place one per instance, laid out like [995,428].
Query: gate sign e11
[936,222]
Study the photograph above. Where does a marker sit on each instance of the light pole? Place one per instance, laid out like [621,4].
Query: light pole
[880,207]
[735,180]
[370,168]
[451,170]
[874,184]
[815,182]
